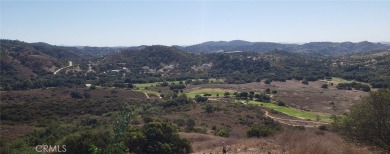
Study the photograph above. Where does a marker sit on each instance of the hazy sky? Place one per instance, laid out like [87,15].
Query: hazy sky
[125,23]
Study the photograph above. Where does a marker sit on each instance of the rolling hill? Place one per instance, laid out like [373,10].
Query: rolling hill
[324,48]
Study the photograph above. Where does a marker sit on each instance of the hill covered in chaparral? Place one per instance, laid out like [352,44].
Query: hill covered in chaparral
[254,97]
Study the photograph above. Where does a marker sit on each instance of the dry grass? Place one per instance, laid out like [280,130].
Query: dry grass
[201,142]
[10,133]
[288,141]
[306,142]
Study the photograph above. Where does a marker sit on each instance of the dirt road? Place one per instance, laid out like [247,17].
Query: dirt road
[304,123]
[70,65]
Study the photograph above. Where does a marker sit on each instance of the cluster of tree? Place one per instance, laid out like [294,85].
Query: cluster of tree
[262,97]
[177,86]
[157,137]
[153,137]
[355,85]
[176,100]
[199,98]
[259,131]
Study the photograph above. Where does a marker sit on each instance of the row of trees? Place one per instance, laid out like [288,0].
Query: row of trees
[354,85]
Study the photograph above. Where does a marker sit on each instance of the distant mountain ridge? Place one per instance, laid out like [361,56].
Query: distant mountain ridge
[325,48]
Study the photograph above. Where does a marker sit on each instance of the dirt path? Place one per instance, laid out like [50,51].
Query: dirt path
[304,123]
[70,64]
[146,94]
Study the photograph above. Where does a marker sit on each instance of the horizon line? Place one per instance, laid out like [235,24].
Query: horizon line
[281,42]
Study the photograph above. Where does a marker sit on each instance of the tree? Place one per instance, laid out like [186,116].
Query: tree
[157,137]
[257,131]
[199,98]
[268,91]
[226,94]
[244,95]
[76,95]
[81,143]
[305,82]
[190,124]
[223,132]
[281,103]
[209,108]
[369,121]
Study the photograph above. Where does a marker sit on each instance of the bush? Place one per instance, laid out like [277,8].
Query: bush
[323,127]
[226,94]
[83,142]
[319,132]
[209,108]
[147,119]
[206,94]
[156,137]
[76,95]
[325,86]
[368,121]
[199,98]
[355,85]
[223,132]
[257,131]
[267,91]
[280,103]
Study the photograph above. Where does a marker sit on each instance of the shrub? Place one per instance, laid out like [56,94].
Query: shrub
[199,98]
[76,95]
[323,127]
[325,86]
[223,132]
[319,132]
[368,121]
[226,94]
[209,108]
[83,142]
[156,137]
[147,119]
[206,94]
[257,131]
[280,103]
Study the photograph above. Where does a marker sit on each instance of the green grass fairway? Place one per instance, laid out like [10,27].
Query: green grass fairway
[213,92]
[294,112]
[340,80]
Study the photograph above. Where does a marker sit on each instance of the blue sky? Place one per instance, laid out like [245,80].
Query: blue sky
[127,23]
